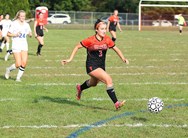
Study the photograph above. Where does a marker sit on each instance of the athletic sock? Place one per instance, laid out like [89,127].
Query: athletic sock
[39,49]
[180,31]
[20,72]
[112,95]
[85,85]
[12,67]
[113,39]
[7,46]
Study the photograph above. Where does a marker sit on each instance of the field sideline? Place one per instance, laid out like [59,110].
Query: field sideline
[44,105]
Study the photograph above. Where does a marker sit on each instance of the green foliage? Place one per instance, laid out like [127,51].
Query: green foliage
[12,6]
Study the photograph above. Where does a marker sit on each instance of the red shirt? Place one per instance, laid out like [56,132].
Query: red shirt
[113,20]
[40,23]
[96,49]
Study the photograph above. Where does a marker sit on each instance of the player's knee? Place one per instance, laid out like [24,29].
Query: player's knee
[109,82]
[113,39]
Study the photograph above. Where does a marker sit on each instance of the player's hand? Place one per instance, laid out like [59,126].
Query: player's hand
[126,61]
[63,62]
[17,34]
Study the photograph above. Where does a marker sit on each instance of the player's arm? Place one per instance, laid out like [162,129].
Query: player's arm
[118,24]
[119,53]
[35,25]
[13,34]
[108,25]
[45,28]
[78,46]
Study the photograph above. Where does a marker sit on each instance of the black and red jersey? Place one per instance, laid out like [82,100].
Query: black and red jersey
[113,20]
[40,23]
[96,49]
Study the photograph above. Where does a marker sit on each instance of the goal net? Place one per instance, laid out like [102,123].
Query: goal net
[161,13]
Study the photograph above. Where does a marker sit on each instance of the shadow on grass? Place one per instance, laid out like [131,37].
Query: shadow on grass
[66,101]
[2,77]
[139,119]
[32,54]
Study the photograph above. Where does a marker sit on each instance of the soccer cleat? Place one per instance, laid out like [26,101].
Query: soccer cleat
[18,80]
[7,73]
[119,104]
[38,54]
[79,92]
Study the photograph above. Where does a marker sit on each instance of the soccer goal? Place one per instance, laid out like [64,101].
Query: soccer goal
[158,4]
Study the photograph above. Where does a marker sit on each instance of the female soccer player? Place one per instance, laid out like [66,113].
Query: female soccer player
[181,23]
[113,21]
[6,24]
[1,28]
[97,46]
[19,30]
[39,34]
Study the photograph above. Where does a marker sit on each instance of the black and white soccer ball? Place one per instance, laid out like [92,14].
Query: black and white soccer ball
[155,105]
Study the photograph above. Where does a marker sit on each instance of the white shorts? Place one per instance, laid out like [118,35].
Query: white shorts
[18,47]
[4,33]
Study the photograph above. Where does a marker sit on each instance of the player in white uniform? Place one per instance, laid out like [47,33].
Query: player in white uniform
[19,30]
[6,24]
[1,27]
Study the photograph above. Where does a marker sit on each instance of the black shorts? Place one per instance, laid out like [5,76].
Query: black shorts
[91,67]
[112,28]
[39,31]
[1,27]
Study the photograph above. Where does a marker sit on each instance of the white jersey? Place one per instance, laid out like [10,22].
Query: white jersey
[19,43]
[6,25]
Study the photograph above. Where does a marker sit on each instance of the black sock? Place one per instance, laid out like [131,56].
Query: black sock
[9,51]
[111,93]
[39,49]
[180,31]
[113,39]
[85,85]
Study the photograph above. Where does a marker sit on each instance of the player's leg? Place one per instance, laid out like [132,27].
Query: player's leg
[24,57]
[17,57]
[180,29]
[101,75]
[9,52]
[41,43]
[87,84]
[7,42]
[113,33]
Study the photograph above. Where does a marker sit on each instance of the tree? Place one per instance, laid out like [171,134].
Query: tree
[13,6]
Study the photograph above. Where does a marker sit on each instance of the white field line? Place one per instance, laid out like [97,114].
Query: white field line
[104,125]
[112,74]
[113,67]
[7,99]
[100,99]
[153,60]
[108,67]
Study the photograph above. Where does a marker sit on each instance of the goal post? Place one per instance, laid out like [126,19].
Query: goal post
[144,3]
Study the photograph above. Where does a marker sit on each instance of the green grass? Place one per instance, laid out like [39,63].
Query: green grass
[44,105]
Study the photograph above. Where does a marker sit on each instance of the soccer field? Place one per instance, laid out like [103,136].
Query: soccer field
[44,104]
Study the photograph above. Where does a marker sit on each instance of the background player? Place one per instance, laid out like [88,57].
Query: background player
[97,46]
[6,24]
[18,31]
[113,21]
[181,23]
[39,34]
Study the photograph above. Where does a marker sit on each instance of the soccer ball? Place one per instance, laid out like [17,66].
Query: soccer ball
[155,105]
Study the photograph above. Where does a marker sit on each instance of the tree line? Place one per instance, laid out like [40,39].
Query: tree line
[123,6]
